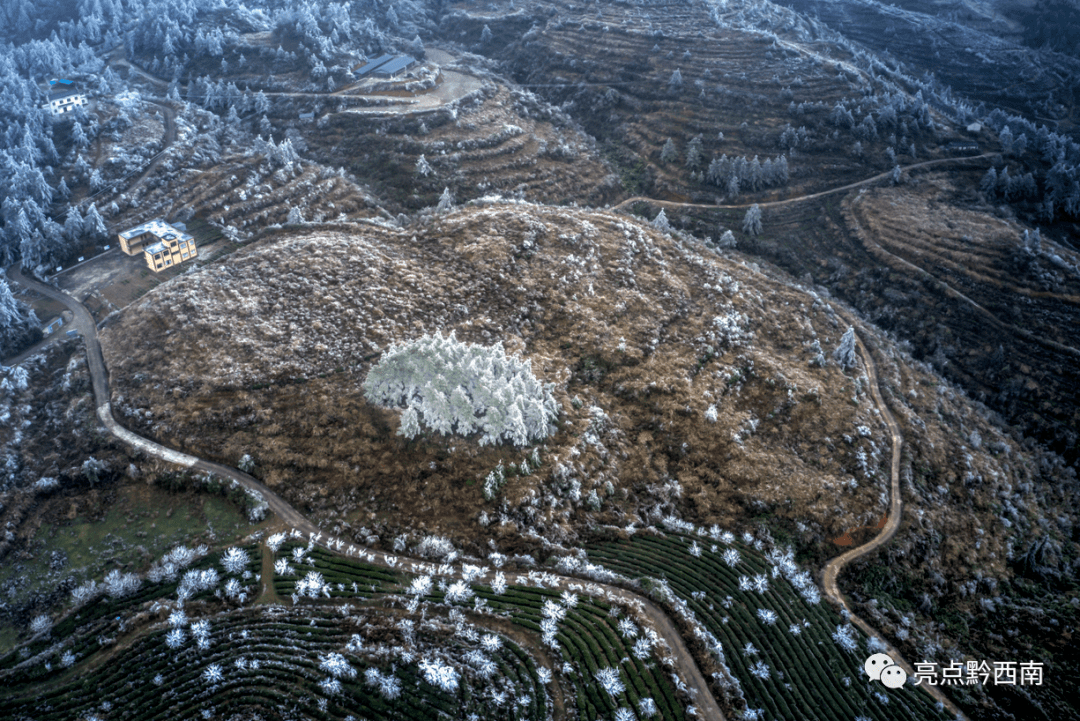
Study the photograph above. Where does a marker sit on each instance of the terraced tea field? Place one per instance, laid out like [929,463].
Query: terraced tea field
[786,648]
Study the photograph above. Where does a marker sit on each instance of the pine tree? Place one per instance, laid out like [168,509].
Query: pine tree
[844,354]
[668,153]
[660,222]
[676,81]
[423,167]
[93,224]
[485,35]
[752,220]
[693,152]
[73,224]
[446,201]
[19,326]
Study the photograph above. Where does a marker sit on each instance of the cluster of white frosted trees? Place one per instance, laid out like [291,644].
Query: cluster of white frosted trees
[448,386]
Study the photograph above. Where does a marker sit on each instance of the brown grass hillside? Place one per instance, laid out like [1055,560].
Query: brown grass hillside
[641,333]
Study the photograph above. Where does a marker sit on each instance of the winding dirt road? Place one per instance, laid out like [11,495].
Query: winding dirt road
[84,324]
[820,194]
[833,568]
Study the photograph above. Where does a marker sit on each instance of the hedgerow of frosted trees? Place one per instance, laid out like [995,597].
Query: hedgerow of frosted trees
[452,387]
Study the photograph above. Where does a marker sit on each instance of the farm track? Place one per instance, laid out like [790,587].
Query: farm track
[833,568]
[84,324]
[790,201]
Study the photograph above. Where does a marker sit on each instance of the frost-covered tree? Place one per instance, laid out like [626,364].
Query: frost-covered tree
[845,354]
[751,224]
[485,35]
[119,584]
[446,201]
[668,154]
[423,167]
[336,665]
[463,388]
[660,222]
[93,224]
[676,80]
[19,326]
[693,152]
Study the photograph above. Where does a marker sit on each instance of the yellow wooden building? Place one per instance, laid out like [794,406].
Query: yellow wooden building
[161,244]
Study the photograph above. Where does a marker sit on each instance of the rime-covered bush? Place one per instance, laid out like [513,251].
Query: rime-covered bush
[439,674]
[336,665]
[118,585]
[234,560]
[453,387]
[41,625]
[274,542]
[609,680]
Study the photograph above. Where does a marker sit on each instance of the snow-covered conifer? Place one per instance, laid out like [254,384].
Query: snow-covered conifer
[752,220]
[844,354]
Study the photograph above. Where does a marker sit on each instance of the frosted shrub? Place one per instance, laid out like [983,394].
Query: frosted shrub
[313,585]
[41,625]
[552,610]
[274,542]
[844,636]
[421,586]
[118,585]
[336,665]
[491,642]
[437,547]
[464,388]
[731,557]
[624,714]
[647,706]
[233,589]
[761,670]
[766,616]
[628,628]
[175,638]
[234,560]
[485,667]
[178,619]
[388,685]
[609,680]
[642,648]
[212,674]
[438,673]
[81,595]
[282,567]
[458,592]
[68,659]
[498,584]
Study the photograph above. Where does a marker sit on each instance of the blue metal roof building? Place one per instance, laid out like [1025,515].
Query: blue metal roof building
[394,67]
[371,65]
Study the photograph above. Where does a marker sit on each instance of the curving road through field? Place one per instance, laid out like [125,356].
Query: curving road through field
[84,324]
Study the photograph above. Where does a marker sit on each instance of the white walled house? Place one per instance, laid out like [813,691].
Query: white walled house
[64,97]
